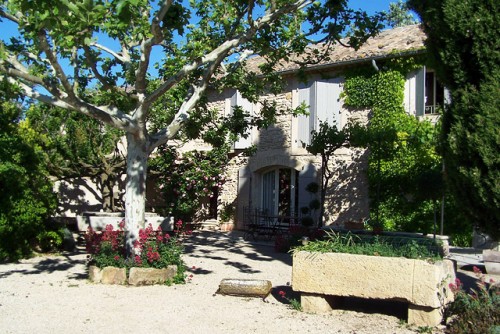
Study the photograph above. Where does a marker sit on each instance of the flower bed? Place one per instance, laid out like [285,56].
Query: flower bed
[157,256]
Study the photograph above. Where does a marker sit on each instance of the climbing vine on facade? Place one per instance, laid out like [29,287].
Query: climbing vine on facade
[404,165]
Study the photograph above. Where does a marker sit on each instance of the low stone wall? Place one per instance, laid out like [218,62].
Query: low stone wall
[422,284]
[99,220]
[136,276]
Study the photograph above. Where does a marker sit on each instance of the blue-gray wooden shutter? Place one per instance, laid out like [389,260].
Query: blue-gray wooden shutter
[327,102]
[420,92]
[244,195]
[238,100]
[304,121]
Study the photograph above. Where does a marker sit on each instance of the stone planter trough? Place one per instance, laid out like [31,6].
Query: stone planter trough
[491,259]
[99,220]
[136,275]
[423,285]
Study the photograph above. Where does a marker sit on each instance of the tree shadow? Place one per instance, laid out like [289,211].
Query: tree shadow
[50,265]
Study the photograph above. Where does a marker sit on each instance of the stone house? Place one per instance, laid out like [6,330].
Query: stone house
[275,178]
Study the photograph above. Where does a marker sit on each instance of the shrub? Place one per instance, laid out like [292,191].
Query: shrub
[50,240]
[476,312]
[153,249]
[26,199]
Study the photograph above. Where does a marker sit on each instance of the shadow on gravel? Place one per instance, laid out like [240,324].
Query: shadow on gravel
[50,265]
[206,244]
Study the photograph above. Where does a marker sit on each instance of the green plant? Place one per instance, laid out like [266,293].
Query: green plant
[477,311]
[26,198]
[336,242]
[50,240]
[294,303]
[459,34]
[187,181]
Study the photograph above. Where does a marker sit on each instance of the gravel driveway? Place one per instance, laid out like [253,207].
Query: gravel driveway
[51,294]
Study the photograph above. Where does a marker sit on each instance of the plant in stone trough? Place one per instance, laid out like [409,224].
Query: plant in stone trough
[334,242]
[153,248]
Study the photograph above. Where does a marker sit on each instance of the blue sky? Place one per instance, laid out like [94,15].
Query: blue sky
[371,6]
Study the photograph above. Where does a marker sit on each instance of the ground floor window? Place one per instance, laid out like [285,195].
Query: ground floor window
[280,192]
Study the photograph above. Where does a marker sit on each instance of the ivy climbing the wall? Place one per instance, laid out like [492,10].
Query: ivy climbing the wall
[404,166]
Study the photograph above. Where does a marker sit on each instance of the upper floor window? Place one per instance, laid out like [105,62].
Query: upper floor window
[323,100]
[246,140]
[430,94]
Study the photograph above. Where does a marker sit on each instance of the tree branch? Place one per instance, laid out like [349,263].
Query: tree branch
[44,45]
[125,59]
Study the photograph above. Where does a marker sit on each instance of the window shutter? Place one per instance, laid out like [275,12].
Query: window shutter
[238,100]
[303,121]
[244,194]
[447,96]
[420,92]
[327,102]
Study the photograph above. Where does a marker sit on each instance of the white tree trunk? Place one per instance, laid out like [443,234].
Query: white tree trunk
[135,191]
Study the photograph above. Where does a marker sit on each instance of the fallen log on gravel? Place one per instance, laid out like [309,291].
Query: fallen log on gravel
[245,287]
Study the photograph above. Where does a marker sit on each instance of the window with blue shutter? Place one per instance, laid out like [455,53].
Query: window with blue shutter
[323,100]
[238,100]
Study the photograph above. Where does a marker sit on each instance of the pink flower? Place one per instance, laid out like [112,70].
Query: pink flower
[282,293]
[477,270]
[117,258]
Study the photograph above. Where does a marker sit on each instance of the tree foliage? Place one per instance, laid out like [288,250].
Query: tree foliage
[26,199]
[399,15]
[463,42]
[78,146]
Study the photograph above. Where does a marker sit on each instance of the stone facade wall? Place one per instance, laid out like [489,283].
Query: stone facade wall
[347,196]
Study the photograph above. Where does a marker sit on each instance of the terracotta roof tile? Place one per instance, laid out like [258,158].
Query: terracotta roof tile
[401,40]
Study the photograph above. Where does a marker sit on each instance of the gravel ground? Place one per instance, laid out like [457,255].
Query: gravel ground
[51,294]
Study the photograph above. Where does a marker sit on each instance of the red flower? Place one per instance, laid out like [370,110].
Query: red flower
[282,293]
[117,258]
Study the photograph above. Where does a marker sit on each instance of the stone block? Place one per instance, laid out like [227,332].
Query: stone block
[148,276]
[314,303]
[245,287]
[95,274]
[347,275]
[113,275]
[431,283]
[491,260]
[424,316]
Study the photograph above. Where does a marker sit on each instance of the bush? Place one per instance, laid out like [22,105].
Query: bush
[27,199]
[50,240]
[477,312]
